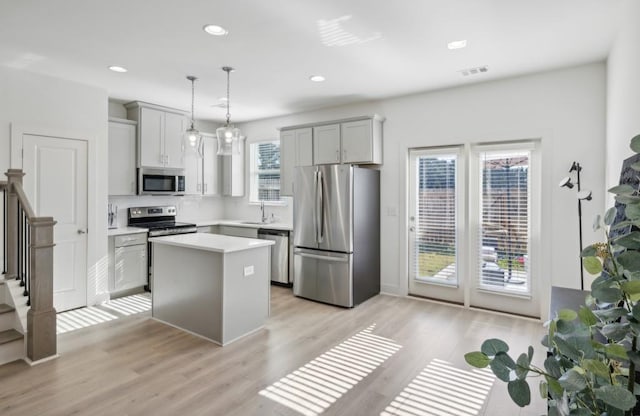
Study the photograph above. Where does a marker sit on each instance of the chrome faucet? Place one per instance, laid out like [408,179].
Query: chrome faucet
[264,216]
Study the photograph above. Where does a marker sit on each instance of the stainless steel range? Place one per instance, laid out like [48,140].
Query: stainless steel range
[160,221]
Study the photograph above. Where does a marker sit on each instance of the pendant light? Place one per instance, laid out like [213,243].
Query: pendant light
[228,136]
[192,137]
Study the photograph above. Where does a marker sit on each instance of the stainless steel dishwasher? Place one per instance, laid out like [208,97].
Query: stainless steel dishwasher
[279,254]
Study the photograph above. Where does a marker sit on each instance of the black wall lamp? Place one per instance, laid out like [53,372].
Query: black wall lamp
[581,196]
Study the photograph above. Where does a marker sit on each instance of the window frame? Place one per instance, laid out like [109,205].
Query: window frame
[254,173]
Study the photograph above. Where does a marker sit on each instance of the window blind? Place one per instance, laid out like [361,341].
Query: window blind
[266,173]
[504,243]
[435,234]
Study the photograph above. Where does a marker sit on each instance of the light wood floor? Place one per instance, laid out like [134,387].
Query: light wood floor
[136,366]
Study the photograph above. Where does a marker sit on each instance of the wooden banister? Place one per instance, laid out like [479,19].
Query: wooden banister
[30,257]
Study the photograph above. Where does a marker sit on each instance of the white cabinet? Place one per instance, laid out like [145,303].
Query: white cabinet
[128,267]
[160,132]
[326,144]
[122,157]
[361,141]
[210,167]
[296,149]
[201,174]
[233,172]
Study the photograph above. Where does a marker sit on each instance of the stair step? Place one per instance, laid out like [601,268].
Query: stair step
[10,335]
[4,308]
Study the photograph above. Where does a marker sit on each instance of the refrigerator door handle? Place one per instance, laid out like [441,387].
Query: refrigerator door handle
[323,258]
[321,211]
[315,206]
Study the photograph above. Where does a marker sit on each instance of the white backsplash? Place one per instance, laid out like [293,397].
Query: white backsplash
[240,209]
[190,208]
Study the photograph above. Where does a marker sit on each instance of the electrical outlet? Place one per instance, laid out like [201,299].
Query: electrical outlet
[249,270]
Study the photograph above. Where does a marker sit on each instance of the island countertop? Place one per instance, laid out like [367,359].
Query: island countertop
[212,242]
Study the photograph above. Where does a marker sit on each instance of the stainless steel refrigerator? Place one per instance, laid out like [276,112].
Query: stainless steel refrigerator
[336,230]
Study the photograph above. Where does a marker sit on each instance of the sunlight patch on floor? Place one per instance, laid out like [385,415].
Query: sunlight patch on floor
[93,315]
[443,390]
[315,386]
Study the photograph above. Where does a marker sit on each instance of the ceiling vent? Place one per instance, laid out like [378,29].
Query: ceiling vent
[474,71]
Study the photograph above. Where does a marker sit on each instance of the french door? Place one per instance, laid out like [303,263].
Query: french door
[474,217]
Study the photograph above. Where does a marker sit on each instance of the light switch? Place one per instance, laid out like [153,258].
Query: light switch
[248,270]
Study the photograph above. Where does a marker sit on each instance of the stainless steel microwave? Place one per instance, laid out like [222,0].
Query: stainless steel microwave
[161,181]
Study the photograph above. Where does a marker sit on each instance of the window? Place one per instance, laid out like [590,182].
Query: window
[265,171]
[504,218]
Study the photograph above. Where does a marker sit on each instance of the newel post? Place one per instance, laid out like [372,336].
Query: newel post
[14,176]
[41,317]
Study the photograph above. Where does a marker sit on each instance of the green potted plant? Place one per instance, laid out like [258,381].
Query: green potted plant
[593,353]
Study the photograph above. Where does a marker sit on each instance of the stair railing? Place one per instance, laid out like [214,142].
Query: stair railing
[28,253]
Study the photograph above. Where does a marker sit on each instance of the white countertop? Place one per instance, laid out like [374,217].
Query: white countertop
[212,242]
[244,223]
[125,230]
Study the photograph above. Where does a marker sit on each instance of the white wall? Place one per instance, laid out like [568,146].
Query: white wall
[623,92]
[40,101]
[564,108]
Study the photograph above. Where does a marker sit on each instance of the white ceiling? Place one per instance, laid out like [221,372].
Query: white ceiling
[366,49]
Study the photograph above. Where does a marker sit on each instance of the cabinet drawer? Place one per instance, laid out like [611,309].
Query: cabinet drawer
[130,239]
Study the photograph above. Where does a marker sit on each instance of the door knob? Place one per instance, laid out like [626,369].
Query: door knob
[82,231]
[412,229]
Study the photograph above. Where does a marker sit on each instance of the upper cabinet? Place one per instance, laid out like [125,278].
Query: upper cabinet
[122,157]
[357,141]
[160,132]
[326,144]
[296,149]
[201,174]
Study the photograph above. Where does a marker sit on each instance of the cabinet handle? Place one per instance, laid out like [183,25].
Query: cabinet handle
[205,188]
[198,188]
[338,155]
[161,158]
[133,187]
[167,162]
[344,155]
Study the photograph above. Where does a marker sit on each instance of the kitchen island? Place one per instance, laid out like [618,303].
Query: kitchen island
[211,285]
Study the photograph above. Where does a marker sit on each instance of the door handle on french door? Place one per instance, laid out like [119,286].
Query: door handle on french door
[324,258]
[412,229]
[82,231]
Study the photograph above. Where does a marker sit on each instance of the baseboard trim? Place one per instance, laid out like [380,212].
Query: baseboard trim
[37,362]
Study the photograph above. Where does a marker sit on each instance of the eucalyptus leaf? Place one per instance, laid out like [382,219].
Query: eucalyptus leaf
[635,166]
[567,349]
[500,369]
[616,396]
[627,199]
[607,294]
[630,260]
[616,351]
[610,314]
[519,392]
[572,380]
[522,366]
[621,224]
[587,316]
[493,346]
[544,389]
[620,190]
[632,211]
[588,251]
[552,367]
[629,241]
[566,327]
[477,359]
[635,144]
[610,215]
[635,311]
[567,314]
[596,367]
[592,265]
[631,288]
[615,331]
[530,353]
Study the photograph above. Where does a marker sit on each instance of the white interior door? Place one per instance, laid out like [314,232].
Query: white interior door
[56,185]
[436,210]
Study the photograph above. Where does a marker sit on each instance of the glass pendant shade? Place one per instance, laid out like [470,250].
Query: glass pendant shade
[228,139]
[193,140]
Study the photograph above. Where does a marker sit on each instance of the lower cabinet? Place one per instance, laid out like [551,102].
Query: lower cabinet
[238,231]
[128,268]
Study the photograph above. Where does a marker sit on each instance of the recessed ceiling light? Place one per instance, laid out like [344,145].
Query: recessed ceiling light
[222,99]
[316,78]
[457,44]
[116,68]
[215,30]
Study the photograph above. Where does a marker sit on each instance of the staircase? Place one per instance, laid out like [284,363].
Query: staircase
[27,316]
[12,346]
